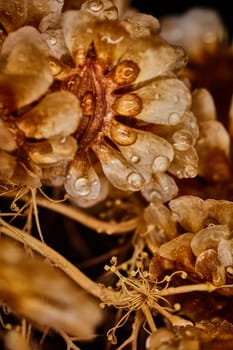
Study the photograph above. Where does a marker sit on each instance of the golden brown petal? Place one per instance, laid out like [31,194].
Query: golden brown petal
[191,212]
[154,52]
[8,165]
[164,101]
[103,9]
[161,188]
[203,105]
[58,113]
[7,139]
[221,211]
[119,172]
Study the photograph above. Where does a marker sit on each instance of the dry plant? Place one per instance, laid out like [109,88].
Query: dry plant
[115,179]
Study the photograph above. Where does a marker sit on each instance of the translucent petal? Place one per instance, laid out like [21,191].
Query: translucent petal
[8,165]
[55,41]
[7,138]
[178,249]
[162,219]
[203,105]
[160,189]
[164,101]
[119,172]
[83,183]
[209,237]
[54,150]
[148,153]
[103,9]
[141,25]
[13,14]
[58,113]
[78,33]
[225,252]
[148,52]
[55,174]
[111,40]
[185,163]
[221,211]
[209,267]
[191,212]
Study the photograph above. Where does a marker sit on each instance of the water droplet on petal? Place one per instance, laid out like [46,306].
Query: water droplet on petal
[135,159]
[174,118]
[182,140]
[95,5]
[82,187]
[135,180]
[155,195]
[160,164]
[53,40]
[190,171]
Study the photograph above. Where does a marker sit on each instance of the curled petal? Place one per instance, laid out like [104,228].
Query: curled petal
[209,238]
[178,249]
[78,33]
[141,25]
[185,163]
[111,40]
[191,212]
[58,113]
[162,219]
[154,52]
[203,105]
[221,211]
[119,172]
[209,267]
[83,184]
[13,14]
[103,9]
[164,101]
[149,153]
[161,188]
[52,151]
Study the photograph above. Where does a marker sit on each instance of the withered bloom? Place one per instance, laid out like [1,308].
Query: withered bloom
[92,100]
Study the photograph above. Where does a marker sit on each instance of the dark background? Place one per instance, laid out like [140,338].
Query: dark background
[160,8]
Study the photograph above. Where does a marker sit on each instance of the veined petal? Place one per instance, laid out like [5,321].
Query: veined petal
[119,172]
[154,57]
[111,40]
[148,153]
[59,113]
[83,184]
[78,33]
[163,101]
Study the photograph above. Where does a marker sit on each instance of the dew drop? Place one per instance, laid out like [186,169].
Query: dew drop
[182,140]
[173,118]
[82,186]
[95,5]
[190,171]
[160,164]
[135,180]
[155,195]
[135,159]
[53,40]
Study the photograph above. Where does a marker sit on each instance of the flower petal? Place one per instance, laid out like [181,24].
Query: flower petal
[51,151]
[160,189]
[111,40]
[103,9]
[185,163]
[163,101]
[8,165]
[7,139]
[148,153]
[58,113]
[119,172]
[83,183]
[191,212]
[13,14]
[203,105]
[78,33]
[154,57]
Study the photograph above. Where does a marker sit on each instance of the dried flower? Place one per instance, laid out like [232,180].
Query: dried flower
[106,106]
